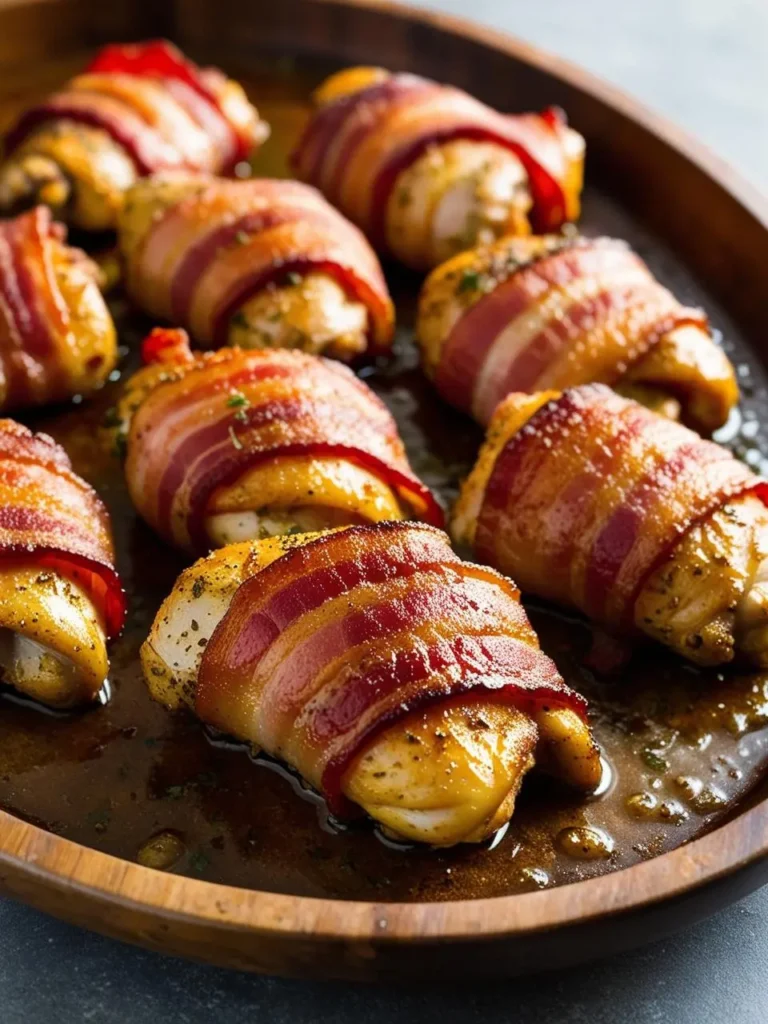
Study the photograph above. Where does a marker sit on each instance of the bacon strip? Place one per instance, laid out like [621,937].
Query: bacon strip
[49,513]
[150,99]
[587,499]
[580,314]
[186,441]
[354,147]
[35,329]
[227,240]
[344,636]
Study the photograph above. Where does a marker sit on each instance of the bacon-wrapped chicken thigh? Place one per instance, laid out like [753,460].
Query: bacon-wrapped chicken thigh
[593,501]
[57,338]
[135,109]
[233,445]
[259,264]
[390,674]
[528,314]
[427,170]
[60,596]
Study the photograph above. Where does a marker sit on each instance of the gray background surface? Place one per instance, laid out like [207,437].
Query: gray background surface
[703,63]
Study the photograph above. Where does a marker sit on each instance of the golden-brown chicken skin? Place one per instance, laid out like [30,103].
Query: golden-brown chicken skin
[458,192]
[53,645]
[339,462]
[136,109]
[707,599]
[77,170]
[308,311]
[450,773]
[60,597]
[528,314]
[279,496]
[59,340]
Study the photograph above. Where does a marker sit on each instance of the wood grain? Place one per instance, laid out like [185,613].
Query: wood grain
[325,938]
[720,227]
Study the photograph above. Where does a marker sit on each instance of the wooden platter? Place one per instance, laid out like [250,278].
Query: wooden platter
[655,184]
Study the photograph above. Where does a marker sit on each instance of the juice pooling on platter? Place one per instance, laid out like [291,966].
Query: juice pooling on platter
[137,108]
[234,445]
[390,674]
[593,501]
[427,170]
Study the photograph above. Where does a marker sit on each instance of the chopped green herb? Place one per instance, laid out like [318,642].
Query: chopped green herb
[199,586]
[240,320]
[174,792]
[236,400]
[274,317]
[293,278]
[403,197]
[470,282]
[654,760]
[99,819]
[112,417]
[293,530]
[242,237]
[199,862]
[236,442]
[120,446]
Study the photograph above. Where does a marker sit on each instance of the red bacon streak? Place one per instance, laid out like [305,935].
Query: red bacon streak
[150,152]
[288,228]
[648,309]
[646,481]
[37,320]
[353,118]
[434,627]
[50,513]
[190,444]
[161,59]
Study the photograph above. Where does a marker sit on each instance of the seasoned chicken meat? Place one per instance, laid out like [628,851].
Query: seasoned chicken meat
[57,338]
[237,445]
[60,597]
[446,772]
[136,109]
[428,171]
[256,264]
[529,314]
[593,501]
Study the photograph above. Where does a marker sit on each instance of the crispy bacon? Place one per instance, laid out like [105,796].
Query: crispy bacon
[186,439]
[49,513]
[36,336]
[227,240]
[355,146]
[162,108]
[586,499]
[341,637]
[581,313]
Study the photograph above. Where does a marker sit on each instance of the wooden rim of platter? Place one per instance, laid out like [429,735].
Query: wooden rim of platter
[173,912]
[29,854]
